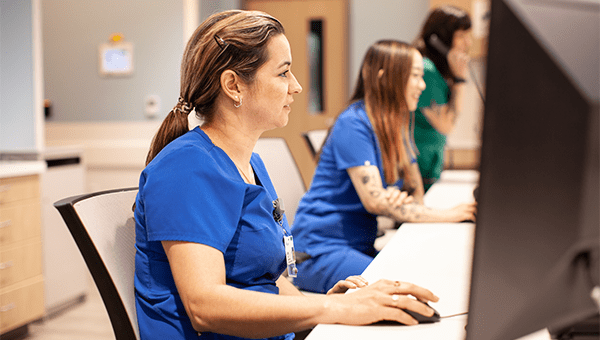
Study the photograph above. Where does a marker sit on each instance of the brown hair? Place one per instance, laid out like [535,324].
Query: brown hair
[232,40]
[442,21]
[382,85]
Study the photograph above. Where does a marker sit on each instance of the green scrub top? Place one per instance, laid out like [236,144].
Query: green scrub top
[429,141]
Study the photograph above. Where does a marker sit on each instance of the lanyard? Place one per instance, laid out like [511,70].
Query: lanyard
[288,240]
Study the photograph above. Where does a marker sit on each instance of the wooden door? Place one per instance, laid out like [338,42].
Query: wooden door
[310,23]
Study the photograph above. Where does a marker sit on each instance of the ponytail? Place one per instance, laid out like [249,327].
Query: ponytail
[172,127]
[232,40]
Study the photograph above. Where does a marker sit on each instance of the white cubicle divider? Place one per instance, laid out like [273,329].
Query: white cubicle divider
[283,171]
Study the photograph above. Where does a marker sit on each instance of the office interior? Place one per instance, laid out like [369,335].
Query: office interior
[69,127]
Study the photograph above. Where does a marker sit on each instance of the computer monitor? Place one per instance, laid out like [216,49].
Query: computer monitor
[536,241]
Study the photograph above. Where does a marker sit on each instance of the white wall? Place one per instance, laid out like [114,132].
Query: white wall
[372,20]
[73,32]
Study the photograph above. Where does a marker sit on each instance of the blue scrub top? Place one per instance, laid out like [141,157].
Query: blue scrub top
[331,214]
[192,191]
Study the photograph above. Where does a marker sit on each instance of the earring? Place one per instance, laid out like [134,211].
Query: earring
[237,106]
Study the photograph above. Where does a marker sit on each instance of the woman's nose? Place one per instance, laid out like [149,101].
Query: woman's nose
[295,86]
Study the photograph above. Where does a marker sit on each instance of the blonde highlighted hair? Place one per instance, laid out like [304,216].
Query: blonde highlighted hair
[382,84]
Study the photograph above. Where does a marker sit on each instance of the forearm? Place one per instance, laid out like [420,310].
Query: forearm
[443,117]
[214,306]
[286,287]
[411,212]
[416,212]
[238,312]
[373,196]
[457,102]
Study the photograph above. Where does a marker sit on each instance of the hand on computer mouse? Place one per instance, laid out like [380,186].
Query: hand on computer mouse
[371,304]
[422,318]
[463,212]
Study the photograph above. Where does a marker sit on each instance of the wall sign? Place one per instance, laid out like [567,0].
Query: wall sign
[116,57]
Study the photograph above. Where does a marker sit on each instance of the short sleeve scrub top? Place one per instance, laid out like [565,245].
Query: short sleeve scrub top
[331,224]
[192,192]
[429,141]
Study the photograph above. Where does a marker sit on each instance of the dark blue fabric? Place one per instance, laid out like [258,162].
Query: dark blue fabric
[330,216]
[193,192]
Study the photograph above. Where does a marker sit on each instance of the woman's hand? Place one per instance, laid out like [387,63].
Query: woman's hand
[396,197]
[463,212]
[351,282]
[384,300]
[458,62]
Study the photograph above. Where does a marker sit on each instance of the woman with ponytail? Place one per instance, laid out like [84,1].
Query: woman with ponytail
[210,241]
[367,168]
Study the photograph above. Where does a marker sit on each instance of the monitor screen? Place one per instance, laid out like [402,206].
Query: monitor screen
[535,261]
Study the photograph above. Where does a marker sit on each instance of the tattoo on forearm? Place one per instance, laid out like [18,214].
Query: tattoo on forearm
[412,212]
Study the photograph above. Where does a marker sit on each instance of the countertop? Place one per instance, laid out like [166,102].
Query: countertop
[21,168]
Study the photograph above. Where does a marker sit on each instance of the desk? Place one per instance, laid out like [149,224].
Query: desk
[437,256]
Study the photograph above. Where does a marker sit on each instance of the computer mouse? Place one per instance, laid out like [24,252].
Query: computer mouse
[422,318]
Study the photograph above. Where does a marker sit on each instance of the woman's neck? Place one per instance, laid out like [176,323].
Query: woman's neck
[236,141]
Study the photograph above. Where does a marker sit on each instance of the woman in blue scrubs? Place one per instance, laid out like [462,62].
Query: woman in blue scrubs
[211,243]
[367,168]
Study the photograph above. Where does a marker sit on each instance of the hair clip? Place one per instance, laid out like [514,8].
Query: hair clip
[220,42]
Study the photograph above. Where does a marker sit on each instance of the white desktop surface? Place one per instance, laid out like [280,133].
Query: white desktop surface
[447,329]
[437,256]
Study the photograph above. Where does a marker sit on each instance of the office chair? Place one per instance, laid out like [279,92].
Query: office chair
[103,227]
[283,171]
[314,140]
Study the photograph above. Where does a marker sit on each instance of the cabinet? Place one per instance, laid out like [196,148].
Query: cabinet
[66,278]
[21,279]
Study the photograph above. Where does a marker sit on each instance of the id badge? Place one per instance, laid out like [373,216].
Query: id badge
[290,256]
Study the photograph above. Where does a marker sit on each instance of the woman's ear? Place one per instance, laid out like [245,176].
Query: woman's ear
[230,83]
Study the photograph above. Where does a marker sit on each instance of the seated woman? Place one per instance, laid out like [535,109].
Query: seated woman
[211,248]
[370,142]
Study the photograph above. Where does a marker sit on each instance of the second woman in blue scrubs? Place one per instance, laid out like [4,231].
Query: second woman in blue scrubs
[367,158]
[210,247]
